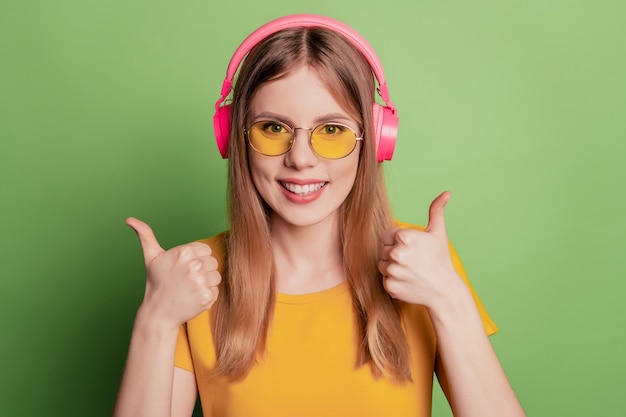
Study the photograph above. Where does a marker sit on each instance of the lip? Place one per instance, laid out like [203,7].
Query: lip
[301,181]
[301,199]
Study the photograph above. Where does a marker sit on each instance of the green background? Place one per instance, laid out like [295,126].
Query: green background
[518,107]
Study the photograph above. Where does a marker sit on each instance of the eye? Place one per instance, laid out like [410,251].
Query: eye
[331,129]
[274,128]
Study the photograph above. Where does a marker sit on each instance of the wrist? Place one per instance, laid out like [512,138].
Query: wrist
[149,322]
[454,304]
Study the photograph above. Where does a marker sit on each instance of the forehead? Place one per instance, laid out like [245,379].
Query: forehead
[300,97]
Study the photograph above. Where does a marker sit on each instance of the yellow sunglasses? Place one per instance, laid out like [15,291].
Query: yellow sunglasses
[328,140]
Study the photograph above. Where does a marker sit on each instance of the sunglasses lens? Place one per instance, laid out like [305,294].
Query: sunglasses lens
[333,141]
[270,138]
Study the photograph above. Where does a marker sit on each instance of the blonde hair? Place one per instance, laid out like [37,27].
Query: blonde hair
[244,309]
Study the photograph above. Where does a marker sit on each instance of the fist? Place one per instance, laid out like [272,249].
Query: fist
[416,265]
[180,282]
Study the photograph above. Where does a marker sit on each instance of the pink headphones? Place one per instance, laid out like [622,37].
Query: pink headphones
[385,117]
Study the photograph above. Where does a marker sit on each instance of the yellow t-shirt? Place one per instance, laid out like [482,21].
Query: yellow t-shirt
[308,368]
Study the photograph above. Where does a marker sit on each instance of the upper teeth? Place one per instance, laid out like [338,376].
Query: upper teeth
[303,189]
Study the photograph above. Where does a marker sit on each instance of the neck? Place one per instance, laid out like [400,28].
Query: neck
[307,258]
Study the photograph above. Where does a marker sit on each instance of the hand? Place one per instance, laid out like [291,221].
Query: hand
[416,265]
[180,282]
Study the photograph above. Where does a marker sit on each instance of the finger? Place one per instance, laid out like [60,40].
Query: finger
[388,237]
[203,279]
[213,279]
[200,249]
[383,267]
[209,297]
[436,218]
[149,243]
[392,286]
[209,263]
[383,253]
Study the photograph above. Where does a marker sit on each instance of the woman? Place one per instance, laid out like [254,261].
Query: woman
[314,302]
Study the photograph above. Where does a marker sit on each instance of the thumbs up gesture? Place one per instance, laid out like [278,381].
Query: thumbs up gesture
[180,282]
[416,265]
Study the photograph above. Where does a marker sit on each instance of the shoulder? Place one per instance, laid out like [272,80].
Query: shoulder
[218,241]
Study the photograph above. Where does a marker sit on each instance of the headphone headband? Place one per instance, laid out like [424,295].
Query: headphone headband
[386,121]
[307,20]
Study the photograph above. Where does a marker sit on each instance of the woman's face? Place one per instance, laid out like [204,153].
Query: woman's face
[301,188]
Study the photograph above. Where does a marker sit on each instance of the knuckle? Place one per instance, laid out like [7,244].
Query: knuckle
[391,286]
[194,265]
[184,252]
[209,296]
[397,254]
[205,297]
[405,236]
[199,282]
[393,270]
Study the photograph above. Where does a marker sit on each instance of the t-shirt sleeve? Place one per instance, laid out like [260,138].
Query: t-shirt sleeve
[182,357]
[489,325]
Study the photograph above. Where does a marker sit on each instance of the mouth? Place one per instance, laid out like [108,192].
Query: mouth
[302,189]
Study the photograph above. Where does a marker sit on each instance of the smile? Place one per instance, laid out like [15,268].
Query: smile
[302,189]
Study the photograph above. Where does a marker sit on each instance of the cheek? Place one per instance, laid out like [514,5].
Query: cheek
[345,179]
[261,173]
[256,175]
[351,167]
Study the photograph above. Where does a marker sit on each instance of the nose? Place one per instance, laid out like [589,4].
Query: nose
[301,155]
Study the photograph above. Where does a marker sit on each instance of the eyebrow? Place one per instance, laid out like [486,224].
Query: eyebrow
[330,117]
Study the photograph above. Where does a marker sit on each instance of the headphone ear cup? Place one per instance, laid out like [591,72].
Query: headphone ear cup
[385,130]
[221,126]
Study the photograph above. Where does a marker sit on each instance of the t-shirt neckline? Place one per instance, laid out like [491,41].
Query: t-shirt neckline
[313,297]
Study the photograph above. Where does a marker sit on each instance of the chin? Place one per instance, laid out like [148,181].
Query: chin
[305,219]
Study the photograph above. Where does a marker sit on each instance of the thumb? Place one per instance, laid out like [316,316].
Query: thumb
[149,243]
[436,219]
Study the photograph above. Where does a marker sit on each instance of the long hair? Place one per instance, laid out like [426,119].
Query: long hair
[244,309]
